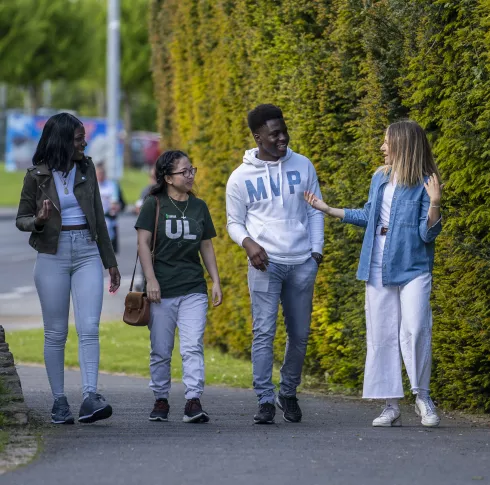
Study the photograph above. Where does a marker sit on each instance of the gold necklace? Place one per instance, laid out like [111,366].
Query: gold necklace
[175,205]
[64,181]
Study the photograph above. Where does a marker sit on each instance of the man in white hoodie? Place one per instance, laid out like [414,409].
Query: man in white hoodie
[283,239]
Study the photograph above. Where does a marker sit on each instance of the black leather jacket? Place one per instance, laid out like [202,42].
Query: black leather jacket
[39,185]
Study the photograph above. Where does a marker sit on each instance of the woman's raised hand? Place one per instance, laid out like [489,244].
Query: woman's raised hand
[434,189]
[315,202]
[44,213]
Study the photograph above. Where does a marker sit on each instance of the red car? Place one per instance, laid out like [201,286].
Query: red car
[145,148]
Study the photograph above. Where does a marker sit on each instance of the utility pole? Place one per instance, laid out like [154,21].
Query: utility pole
[113,165]
[47,98]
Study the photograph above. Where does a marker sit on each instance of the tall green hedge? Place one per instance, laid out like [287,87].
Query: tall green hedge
[342,70]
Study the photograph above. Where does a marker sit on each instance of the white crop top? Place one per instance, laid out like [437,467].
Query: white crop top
[384,215]
[71,212]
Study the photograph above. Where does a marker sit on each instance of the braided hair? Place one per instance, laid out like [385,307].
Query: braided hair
[165,165]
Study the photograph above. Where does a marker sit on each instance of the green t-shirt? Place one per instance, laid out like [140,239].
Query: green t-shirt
[177,266]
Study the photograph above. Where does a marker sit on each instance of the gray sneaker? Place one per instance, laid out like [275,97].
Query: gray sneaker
[94,407]
[60,413]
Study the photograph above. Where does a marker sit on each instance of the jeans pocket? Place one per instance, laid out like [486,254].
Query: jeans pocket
[89,241]
[258,280]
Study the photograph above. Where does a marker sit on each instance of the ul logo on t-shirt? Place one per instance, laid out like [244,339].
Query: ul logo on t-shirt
[181,228]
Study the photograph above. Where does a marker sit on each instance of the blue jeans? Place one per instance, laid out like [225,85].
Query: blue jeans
[292,286]
[76,268]
[188,314]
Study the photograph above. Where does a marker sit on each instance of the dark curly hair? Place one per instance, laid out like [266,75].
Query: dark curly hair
[261,114]
[165,165]
[56,146]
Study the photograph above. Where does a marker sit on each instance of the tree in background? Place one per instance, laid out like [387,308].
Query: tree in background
[65,42]
[44,40]
[136,81]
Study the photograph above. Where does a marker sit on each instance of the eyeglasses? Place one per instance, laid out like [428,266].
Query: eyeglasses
[188,172]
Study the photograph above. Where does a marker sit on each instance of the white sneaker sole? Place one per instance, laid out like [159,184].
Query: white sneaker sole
[429,424]
[65,421]
[390,424]
[198,418]
[102,413]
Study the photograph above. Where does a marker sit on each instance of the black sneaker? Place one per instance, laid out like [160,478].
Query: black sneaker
[94,407]
[265,414]
[60,413]
[160,410]
[193,412]
[291,412]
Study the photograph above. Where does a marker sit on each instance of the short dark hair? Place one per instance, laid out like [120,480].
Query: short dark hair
[56,146]
[261,114]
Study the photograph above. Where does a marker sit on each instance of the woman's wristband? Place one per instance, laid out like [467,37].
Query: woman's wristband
[435,206]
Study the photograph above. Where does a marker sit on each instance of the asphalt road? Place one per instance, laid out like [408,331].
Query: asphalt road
[334,444]
[19,303]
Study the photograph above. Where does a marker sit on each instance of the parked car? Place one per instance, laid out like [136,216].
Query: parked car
[145,148]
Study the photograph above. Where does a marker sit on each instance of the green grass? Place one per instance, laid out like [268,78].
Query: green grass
[132,184]
[125,349]
[10,187]
[4,439]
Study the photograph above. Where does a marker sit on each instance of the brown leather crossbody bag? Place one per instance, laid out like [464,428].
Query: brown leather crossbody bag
[136,305]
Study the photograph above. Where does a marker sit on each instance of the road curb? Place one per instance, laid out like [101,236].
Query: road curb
[8,214]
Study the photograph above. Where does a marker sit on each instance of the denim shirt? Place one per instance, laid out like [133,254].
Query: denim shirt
[409,246]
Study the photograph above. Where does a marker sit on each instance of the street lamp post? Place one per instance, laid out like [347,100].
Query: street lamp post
[113,88]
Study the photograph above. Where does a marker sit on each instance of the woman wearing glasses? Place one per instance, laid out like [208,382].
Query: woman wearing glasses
[175,284]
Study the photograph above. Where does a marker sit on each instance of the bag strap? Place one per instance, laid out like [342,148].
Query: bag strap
[155,230]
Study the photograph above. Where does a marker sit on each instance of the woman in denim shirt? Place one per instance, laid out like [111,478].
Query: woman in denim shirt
[402,219]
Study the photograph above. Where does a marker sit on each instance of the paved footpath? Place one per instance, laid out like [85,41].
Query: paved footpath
[335,443]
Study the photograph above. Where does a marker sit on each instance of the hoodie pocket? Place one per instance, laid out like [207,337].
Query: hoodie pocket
[288,236]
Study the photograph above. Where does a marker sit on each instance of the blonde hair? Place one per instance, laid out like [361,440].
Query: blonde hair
[410,154]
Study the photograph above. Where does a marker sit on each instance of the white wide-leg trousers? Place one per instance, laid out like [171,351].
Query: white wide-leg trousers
[398,324]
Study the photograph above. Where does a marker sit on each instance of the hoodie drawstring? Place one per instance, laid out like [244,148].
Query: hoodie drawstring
[268,186]
[281,185]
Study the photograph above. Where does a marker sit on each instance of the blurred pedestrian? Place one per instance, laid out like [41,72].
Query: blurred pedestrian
[61,207]
[402,218]
[176,286]
[146,191]
[111,203]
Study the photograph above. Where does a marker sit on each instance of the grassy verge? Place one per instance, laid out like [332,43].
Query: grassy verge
[10,187]
[125,349]
[132,184]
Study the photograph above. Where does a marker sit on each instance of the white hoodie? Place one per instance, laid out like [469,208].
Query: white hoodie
[264,201]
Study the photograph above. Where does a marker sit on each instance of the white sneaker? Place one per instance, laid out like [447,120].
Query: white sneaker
[426,409]
[390,416]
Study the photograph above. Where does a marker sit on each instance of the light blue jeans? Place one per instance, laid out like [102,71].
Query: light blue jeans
[76,268]
[188,314]
[292,286]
